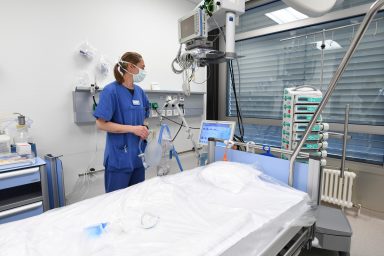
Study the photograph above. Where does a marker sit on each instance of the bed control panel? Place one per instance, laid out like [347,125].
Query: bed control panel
[300,103]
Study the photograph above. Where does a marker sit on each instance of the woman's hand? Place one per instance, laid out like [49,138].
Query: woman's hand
[141,131]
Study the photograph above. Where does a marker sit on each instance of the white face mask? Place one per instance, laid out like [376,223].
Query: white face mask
[137,78]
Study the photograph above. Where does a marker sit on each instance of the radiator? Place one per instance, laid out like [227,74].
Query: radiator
[333,190]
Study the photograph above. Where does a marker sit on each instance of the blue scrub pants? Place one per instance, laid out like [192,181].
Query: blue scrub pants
[114,180]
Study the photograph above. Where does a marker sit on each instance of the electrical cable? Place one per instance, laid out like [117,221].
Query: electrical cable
[209,75]
[220,28]
[238,72]
[184,60]
[322,61]
[83,184]
[94,100]
[239,86]
[238,139]
[238,112]
[193,128]
[176,59]
[181,126]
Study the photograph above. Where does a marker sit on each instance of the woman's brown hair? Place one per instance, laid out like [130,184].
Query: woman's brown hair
[131,57]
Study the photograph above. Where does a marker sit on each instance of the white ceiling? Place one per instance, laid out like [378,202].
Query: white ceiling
[194,1]
[198,1]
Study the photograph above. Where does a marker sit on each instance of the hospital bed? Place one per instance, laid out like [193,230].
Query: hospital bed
[286,239]
[225,208]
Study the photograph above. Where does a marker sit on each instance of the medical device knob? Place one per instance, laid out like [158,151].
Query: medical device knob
[323,145]
[325,126]
[323,153]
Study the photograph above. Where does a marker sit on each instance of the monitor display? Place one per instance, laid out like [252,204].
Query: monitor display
[216,129]
[192,26]
[187,27]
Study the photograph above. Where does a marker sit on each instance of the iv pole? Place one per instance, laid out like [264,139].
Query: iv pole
[340,70]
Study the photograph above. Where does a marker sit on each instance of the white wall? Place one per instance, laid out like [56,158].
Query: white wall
[39,64]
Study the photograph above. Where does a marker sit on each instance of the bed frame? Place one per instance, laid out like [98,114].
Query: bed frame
[290,240]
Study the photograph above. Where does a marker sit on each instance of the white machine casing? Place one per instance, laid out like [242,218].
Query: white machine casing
[199,19]
[224,12]
[219,14]
[299,106]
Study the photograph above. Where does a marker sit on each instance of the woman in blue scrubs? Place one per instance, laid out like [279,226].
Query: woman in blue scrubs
[121,111]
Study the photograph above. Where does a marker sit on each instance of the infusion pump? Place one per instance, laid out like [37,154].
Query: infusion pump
[299,105]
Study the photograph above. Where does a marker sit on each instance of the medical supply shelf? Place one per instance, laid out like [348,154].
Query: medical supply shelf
[193,105]
[23,190]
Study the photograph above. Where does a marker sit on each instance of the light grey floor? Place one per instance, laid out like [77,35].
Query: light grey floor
[367,238]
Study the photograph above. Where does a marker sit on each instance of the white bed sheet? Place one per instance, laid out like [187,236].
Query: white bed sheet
[195,218]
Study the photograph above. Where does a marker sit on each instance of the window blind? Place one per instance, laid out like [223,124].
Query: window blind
[274,62]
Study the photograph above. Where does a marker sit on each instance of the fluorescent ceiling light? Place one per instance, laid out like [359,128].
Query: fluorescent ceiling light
[329,45]
[285,15]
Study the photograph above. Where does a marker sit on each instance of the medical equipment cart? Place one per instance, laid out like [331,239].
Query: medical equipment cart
[23,190]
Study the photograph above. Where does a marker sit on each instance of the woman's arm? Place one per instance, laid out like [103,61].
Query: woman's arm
[112,127]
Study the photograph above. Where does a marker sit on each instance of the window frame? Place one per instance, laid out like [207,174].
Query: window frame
[332,16]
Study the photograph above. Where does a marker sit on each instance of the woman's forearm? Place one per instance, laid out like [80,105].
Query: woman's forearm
[113,127]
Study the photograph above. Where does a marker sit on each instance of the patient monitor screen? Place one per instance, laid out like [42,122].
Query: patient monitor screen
[187,27]
[216,129]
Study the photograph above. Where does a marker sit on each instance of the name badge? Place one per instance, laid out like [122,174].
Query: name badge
[136,102]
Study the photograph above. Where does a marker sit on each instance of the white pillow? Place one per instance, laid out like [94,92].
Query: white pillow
[230,176]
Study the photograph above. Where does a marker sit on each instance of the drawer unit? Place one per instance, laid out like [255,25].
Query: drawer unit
[20,177]
[21,212]
[23,191]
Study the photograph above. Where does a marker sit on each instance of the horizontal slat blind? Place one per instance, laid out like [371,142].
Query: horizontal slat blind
[271,63]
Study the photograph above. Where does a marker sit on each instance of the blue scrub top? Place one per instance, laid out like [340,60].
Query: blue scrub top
[118,105]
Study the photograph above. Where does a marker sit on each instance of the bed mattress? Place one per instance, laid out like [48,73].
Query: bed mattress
[186,216]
